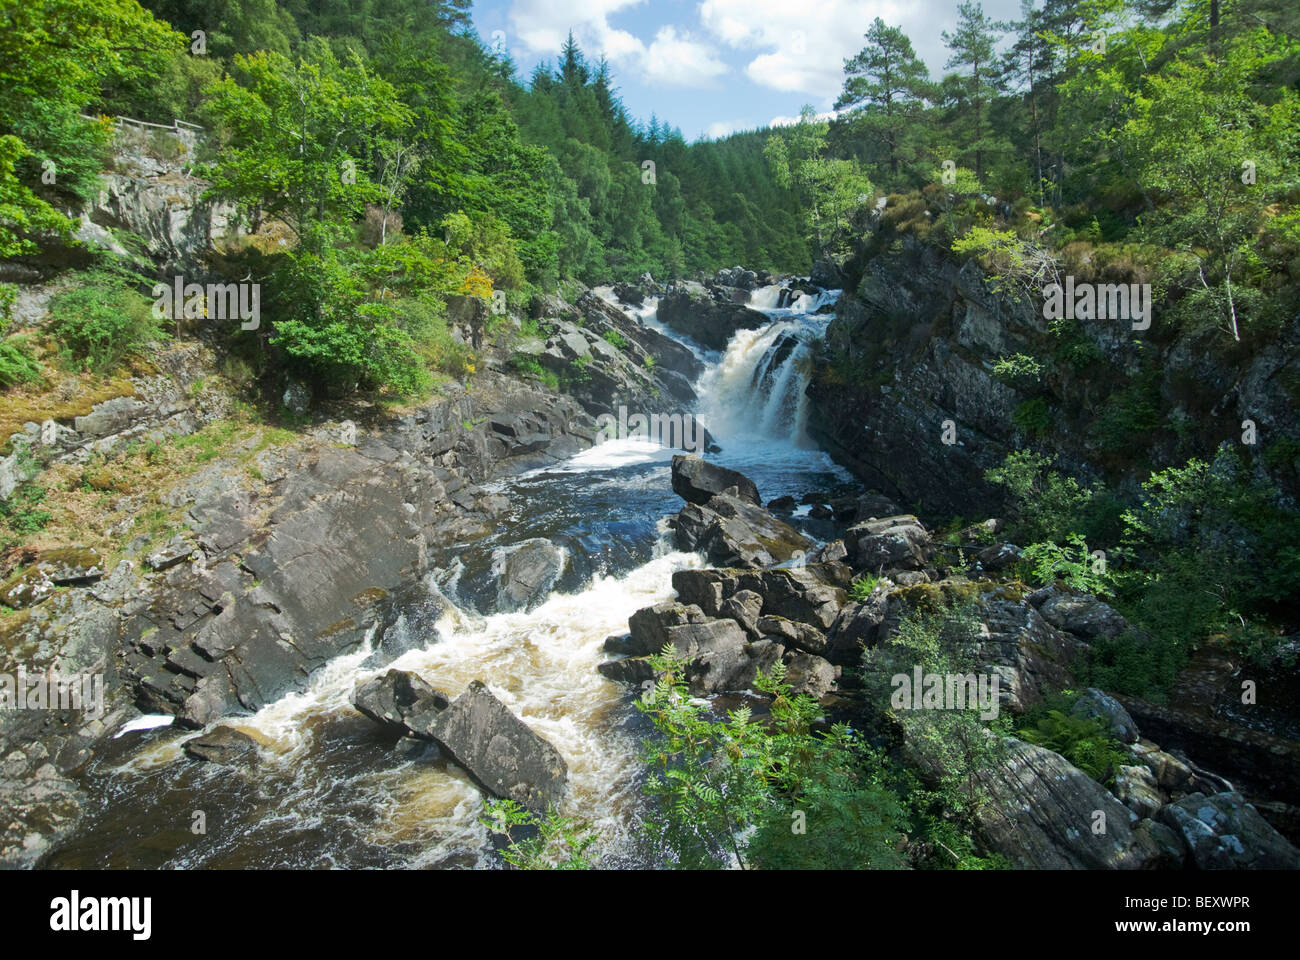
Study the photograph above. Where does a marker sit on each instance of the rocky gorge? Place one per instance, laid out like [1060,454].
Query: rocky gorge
[374,620]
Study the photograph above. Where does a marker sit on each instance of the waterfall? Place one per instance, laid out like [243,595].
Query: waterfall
[758,390]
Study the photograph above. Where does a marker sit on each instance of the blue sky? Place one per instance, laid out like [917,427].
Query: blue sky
[714,66]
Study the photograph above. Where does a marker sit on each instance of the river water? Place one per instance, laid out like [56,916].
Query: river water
[333,791]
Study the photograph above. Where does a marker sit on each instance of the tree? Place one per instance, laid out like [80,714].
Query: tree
[972,46]
[1215,156]
[299,136]
[885,85]
[58,59]
[828,188]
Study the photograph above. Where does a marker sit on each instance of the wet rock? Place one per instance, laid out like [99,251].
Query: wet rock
[649,626]
[36,814]
[631,670]
[402,702]
[1098,703]
[784,504]
[1224,832]
[735,533]
[224,745]
[499,751]
[526,573]
[698,481]
[629,294]
[707,321]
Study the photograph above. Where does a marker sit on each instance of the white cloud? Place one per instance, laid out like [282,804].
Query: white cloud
[680,61]
[801,48]
[791,121]
[724,128]
[673,58]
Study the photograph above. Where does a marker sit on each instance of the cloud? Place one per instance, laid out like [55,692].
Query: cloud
[724,128]
[801,49]
[680,61]
[672,58]
[791,121]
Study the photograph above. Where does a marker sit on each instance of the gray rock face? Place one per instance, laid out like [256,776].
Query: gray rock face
[854,630]
[526,572]
[894,543]
[1079,613]
[1137,789]
[1224,832]
[35,814]
[224,745]
[649,627]
[401,702]
[698,481]
[1041,815]
[735,533]
[708,321]
[499,751]
[1098,703]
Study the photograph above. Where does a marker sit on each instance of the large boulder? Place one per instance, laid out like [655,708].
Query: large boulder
[731,532]
[525,573]
[1079,613]
[1099,704]
[1042,811]
[892,543]
[401,702]
[709,321]
[222,744]
[1224,832]
[699,481]
[499,751]
[649,626]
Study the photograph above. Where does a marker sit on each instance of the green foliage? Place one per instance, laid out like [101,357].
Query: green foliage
[23,514]
[1019,371]
[740,790]
[863,587]
[553,842]
[940,636]
[617,339]
[102,321]
[1072,564]
[1084,741]
[16,364]
[1033,416]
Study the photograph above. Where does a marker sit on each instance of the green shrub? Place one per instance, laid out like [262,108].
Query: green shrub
[1033,416]
[1084,741]
[553,842]
[738,790]
[616,338]
[101,322]
[16,365]
[863,587]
